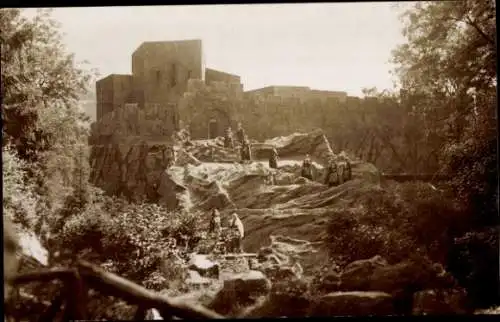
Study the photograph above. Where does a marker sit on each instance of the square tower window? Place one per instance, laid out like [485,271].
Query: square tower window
[158,77]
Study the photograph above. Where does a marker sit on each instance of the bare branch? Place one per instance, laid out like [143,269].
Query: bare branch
[43,275]
[479,30]
[114,285]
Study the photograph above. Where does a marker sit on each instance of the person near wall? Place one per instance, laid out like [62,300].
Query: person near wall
[228,139]
[240,134]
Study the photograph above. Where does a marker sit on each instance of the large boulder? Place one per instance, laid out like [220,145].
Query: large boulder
[205,267]
[444,301]
[240,291]
[353,304]
[288,298]
[313,143]
[171,190]
[131,168]
[376,275]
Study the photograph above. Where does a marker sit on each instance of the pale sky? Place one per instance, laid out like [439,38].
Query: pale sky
[329,46]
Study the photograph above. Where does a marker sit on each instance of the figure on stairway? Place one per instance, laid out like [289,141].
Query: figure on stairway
[307,168]
[273,159]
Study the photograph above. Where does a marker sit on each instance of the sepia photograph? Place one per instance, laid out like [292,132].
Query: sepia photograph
[265,160]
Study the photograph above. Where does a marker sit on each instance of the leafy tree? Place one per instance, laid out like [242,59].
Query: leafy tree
[447,71]
[41,84]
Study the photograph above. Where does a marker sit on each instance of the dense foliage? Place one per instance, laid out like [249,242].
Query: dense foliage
[443,120]
[130,239]
[42,124]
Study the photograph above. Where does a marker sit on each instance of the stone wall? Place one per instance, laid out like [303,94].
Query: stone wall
[112,92]
[154,121]
[161,70]
[262,116]
[212,75]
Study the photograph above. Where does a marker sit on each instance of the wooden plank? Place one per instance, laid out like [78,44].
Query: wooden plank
[43,275]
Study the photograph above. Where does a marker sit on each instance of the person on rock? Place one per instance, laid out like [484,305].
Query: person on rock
[273,159]
[187,136]
[332,175]
[348,169]
[240,134]
[215,223]
[237,227]
[246,154]
[228,139]
[307,169]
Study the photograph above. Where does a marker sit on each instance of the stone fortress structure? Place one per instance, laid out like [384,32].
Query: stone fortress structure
[171,88]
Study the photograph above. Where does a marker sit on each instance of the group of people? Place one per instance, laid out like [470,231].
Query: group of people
[241,140]
[183,136]
[236,230]
[336,173]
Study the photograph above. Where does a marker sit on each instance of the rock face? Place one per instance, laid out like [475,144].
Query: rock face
[131,169]
[441,301]
[313,143]
[353,304]
[376,275]
[204,266]
[240,291]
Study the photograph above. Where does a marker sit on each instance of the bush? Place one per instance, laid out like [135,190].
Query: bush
[129,238]
[394,222]
[19,198]
[473,260]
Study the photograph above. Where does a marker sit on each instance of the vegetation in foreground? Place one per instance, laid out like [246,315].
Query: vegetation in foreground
[447,71]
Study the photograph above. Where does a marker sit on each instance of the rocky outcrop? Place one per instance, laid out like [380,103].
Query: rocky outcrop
[313,143]
[205,267]
[353,304]
[131,169]
[376,275]
[240,291]
[440,301]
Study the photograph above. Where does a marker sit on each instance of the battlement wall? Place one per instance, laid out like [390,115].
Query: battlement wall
[154,121]
[263,116]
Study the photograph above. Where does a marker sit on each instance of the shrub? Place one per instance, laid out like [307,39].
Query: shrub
[130,238]
[393,222]
[19,199]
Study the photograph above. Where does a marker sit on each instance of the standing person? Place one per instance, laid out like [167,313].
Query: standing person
[307,171]
[215,223]
[348,169]
[332,175]
[240,134]
[228,139]
[246,154]
[273,159]
[237,226]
